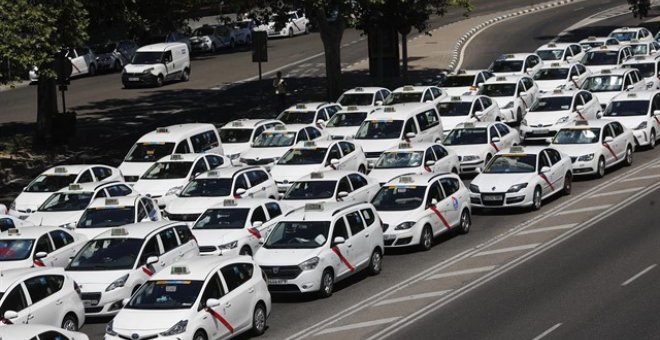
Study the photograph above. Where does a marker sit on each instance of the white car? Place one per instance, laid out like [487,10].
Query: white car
[606,57]
[83,61]
[627,34]
[649,69]
[211,38]
[467,108]
[156,64]
[8,222]
[560,76]
[640,112]
[113,265]
[297,23]
[64,207]
[34,332]
[522,177]
[315,246]
[363,97]
[313,156]
[105,213]
[464,81]
[243,31]
[512,64]
[513,94]
[345,123]
[200,298]
[330,186]
[595,145]
[556,109]
[38,247]
[476,143]
[213,187]
[566,52]
[385,128]
[417,158]
[416,208]
[596,42]
[40,296]
[316,114]
[415,94]
[236,227]
[271,144]
[237,135]
[166,177]
[606,84]
[56,178]
[645,48]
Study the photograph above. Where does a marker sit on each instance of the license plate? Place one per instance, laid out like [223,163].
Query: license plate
[541,131]
[276,282]
[90,303]
[133,79]
[493,198]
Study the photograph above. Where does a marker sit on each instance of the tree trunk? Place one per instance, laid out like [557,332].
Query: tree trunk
[404,56]
[331,35]
[46,108]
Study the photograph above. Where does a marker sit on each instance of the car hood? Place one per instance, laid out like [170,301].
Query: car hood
[605,97]
[502,101]
[216,237]
[384,175]
[393,218]
[501,182]
[262,153]
[576,150]
[376,145]
[448,123]
[234,148]
[629,122]
[157,187]
[134,168]
[596,69]
[348,132]
[464,150]
[549,85]
[31,200]
[193,205]
[6,265]
[545,117]
[138,68]
[284,257]
[54,218]
[102,277]
[293,172]
[130,321]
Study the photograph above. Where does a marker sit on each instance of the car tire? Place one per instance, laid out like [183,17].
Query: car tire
[362,170]
[375,262]
[537,199]
[214,49]
[568,184]
[426,238]
[327,283]
[465,222]
[70,322]
[200,335]
[259,317]
[92,70]
[185,76]
[159,81]
[248,40]
[232,44]
[652,140]
[600,168]
[629,156]
[290,32]
[245,251]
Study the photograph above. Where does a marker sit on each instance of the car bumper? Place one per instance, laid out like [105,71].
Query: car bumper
[504,200]
[307,281]
[109,303]
[471,166]
[401,238]
[584,167]
[533,133]
[642,137]
[139,79]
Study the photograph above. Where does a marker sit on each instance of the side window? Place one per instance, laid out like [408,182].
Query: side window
[256,177]
[617,128]
[213,290]
[529,83]
[554,155]
[436,92]
[574,72]
[236,274]
[100,194]
[101,173]
[55,283]
[521,88]
[655,104]
[586,96]
[151,248]
[38,288]
[429,156]
[487,102]
[274,209]
[323,114]
[61,238]
[302,136]
[607,132]
[493,132]
[581,68]
[86,177]
[332,110]
[422,121]
[379,96]
[151,208]
[258,131]
[440,152]
[343,185]
[627,82]
[543,161]
[357,181]
[182,147]
[168,238]
[313,133]
[477,106]
[410,127]
[214,161]
[428,96]
[346,148]
[449,185]
[576,49]
[258,215]
[503,129]
[141,213]
[369,216]
[434,193]
[119,190]
[240,183]
[355,222]
[43,245]
[14,300]
[204,141]
[431,118]
[184,233]
[199,167]
[167,57]
[340,229]
[333,153]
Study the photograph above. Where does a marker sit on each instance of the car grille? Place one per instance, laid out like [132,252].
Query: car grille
[389,242]
[284,288]
[493,199]
[91,297]
[258,162]
[91,310]
[207,249]
[372,154]
[284,272]
[183,217]
[131,178]
[146,337]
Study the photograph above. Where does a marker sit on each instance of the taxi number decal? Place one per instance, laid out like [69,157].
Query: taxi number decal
[222,320]
[442,218]
[343,259]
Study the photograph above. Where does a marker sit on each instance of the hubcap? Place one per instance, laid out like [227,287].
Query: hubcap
[259,319]
[327,283]
[375,260]
[629,156]
[427,238]
[199,337]
[601,168]
[69,325]
[465,222]
[537,199]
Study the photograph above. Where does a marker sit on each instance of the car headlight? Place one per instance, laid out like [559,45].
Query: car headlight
[174,191]
[242,160]
[148,70]
[109,330]
[234,156]
[474,188]
[227,246]
[470,158]
[523,122]
[309,264]
[118,283]
[517,187]
[562,120]
[642,126]
[178,328]
[12,206]
[586,158]
[508,105]
[405,225]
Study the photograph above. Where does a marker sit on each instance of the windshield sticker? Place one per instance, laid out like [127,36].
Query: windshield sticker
[319,239]
[170,289]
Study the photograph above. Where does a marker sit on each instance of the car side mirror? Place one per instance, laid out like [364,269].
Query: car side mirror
[569,58]
[240,192]
[280,195]
[656,112]
[257,224]
[428,101]
[545,169]
[40,255]
[480,85]
[146,219]
[630,87]
[334,162]
[152,260]
[579,107]
[434,201]
[378,103]
[410,135]
[10,315]
[320,121]
[429,163]
[529,70]
[212,303]
[495,139]
[342,194]
[338,240]
[575,78]
[478,113]
[548,140]
[608,139]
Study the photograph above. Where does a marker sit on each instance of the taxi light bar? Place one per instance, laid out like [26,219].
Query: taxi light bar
[301,106]
[212,173]
[119,232]
[352,108]
[309,144]
[468,124]
[555,64]
[111,201]
[591,37]
[229,203]
[13,231]
[632,95]
[408,88]
[314,207]
[176,157]
[75,186]
[640,57]
[500,78]
[359,89]
[280,127]
[162,130]
[59,170]
[404,145]
[606,71]
[517,149]
[316,175]
[455,98]
[603,47]
[509,56]
[235,123]
[179,270]
[581,123]
[634,41]
[557,91]
[389,109]
[405,179]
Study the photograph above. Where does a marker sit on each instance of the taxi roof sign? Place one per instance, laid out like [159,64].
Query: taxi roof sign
[461,71]
[229,203]
[405,145]
[468,124]
[632,95]
[455,98]
[314,207]
[555,64]
[212,173]
[581,123]
[119,232]
[301,106]
[359,89]
[13,231]
[162,130]
[309,144]
[60,170]
[179,270]
[236,123]
[75,186]
[176,157]
[591,37]
[389,109]
[500,78]
[557,91]
[280,127]
[509,55]
[405,179]
[517,149]
[316,175]
[606,71]
[408,88]
[640,57]
[352,108]
[111,201]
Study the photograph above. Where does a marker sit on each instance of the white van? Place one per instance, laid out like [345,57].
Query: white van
[164,141]
[155,64]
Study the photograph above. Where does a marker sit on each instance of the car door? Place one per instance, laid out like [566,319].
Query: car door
[334,153]
[450,187]
[65,248]
[591,106]
[188,246]
[257,183]
[610,152]
[547,185]
[429,156]
[361,252]
[152,247]
[240,182]
[16,300]
[44,300]
[170,244]
[620,143]
[411,127]
[350,156]
[343,250]
[655,113]
[170,67]
[258,215]
[363,191]
[442,163]
[214,320]
[438,211]
[495,138]
[78,66]
[240,298]
[374,236]
[85,177]
[344,185]
[44,245]
[557,168]
[274,212]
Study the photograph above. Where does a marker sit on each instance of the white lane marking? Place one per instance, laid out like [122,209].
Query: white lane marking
[616,192]
[548,331]
[587,209]
[638,275]
[640,178]
[578,9]
[461,272]
[413,297]
[544,229]
[655,166]
[507,250]
[358,325]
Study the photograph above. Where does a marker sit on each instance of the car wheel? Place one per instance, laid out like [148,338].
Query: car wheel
[629,156]
[465,223]
[200,335]
[362,170]
[652,140]
[426,239]
[159,81]
[375,263]
[214,49]
[117,66]
[306,29]
[259,319]
[185,76]
[92,69]
[290,32]
[568,184]
[327,283]
[600,171]
[537,199]
[70,322]
[245,251]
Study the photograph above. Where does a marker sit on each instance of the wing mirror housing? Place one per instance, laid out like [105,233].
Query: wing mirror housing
[212,303]
[342,194]
[429,163]
[40,255]
[240,192]
[545,169]
[10,315]
[608,139]
[410,135]
[152,260]
[495,139]
[338,240]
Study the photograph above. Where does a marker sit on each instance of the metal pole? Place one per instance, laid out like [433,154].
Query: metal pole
[63,101]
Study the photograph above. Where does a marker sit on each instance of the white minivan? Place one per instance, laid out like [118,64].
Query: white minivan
[155,64]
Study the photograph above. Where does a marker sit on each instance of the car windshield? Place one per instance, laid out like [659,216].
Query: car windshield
[454,109]
[168,170]
[399,198]
[511,163]
[231,136]
[107,217]
[107,254]
[555,54]
[343,119]
[15,249]
[207,187]
[639,49]
[457,81]
[50,183]
[603,83]
[270,139]
[499,90]
[166,294]
[310,190]
[466,136]
[222,218]
[577,136]
[647,70]
[303,156]
[297,117]
[403,97]
[298,235]
[552,103]
[554,73]
[147,58]
[380,129]
[596,58]
[506,66]
[593,44]
[359,99]
[399,159]
[104,48]
[623,36]
[67,201]
[149,152]
[626,108]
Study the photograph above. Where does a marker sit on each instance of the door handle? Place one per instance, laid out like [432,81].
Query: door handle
[349,245]
[162,264]
[30,317]
[251,290]
[58,302]
[366,235]
[228,304]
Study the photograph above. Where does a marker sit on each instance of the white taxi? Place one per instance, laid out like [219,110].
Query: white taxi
[235,227]
[606,84]
[345,123]
[416,208]
[522,177]
[41,332]
[415,94]
[200,298]
[476,143]
[595,145]
[105,213]
[556,109]
[237,135]
[606,57]
[40,296]
[8,222]
[314,156]
[114,264]
[645,48]
[560,52]
[330,186]
[417,158]
[627,34]
[317,245]
[271,144]
[38,247]
[464,81]
[516,64]
[56,178]
[466,108]
[649,69]
[639,111]
[296,23]
[560,76]
[363,97]
[513,94]
[595,42]
[316,113]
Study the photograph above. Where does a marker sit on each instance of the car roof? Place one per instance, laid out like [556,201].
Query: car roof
[555,45]
[85,187]
[114,202]
[465,97]
[463,72]
[226,172]
[327,175]
[597,39]
[560,93]
[248,123]
[557,64]
[69,169]
[287,128]
[137,230]
[413,179]
[10,276]
[607,48]
[197,268]
[516,56]
[400,111]
[175,133]
[505,79]
[309,106]
[635,95]
[412,88]
[530,149]
[365,89]
[324,211]
[627,29]
[241,203]
[588,123]
[612,71]
[639,59]
[317,144]
[160,47]
[403,146]
[182,157]
[472,125]
[28,232]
